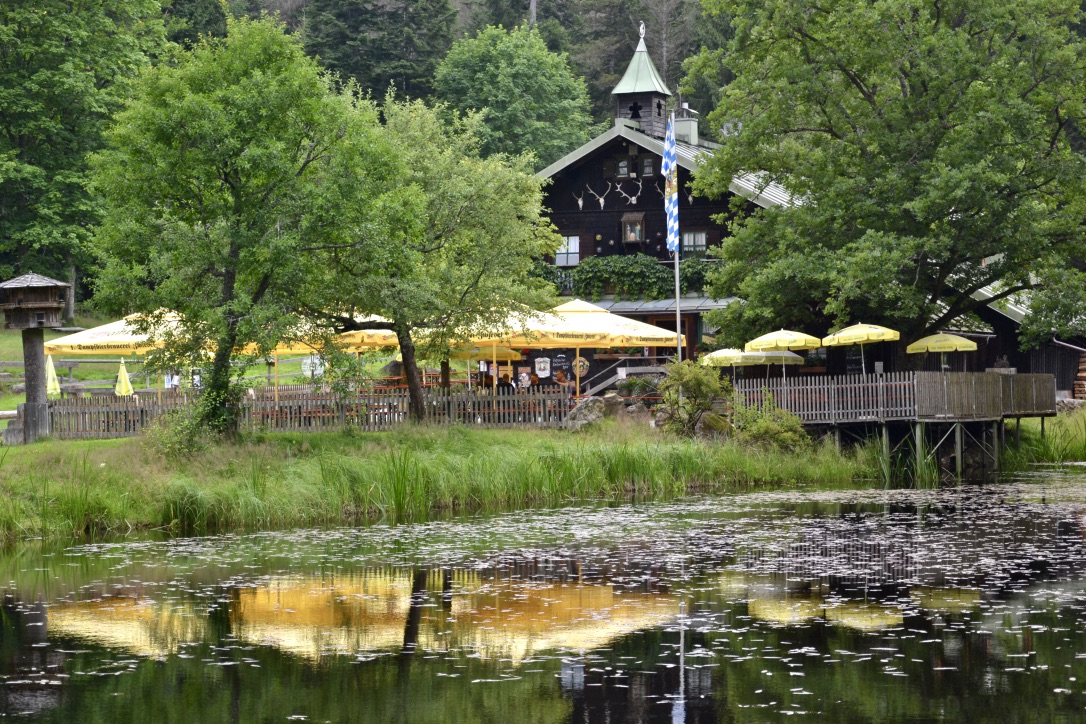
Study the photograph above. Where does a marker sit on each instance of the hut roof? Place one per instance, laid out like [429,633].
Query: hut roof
[31,280]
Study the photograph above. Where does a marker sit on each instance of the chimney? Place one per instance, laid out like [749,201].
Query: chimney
[686,125]
[686,130]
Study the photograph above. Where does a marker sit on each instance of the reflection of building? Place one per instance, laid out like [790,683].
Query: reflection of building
[381,610]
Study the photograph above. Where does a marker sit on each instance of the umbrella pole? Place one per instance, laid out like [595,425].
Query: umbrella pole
[577,369]
[863,365]
[494,358]
[275,361]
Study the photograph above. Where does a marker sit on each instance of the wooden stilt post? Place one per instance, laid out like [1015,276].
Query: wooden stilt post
[958,463]
[837,437]
[995,446]
[886,454]
[1042,428]
[919,442]
[1018,433]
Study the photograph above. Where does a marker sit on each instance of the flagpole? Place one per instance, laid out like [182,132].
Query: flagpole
[670,170]
[678,314]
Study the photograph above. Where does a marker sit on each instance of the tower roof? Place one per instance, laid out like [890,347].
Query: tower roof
[641,75]
[31,280]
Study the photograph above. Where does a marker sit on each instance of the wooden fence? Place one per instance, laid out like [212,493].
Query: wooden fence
[106,417]
[303,408]
[906,396]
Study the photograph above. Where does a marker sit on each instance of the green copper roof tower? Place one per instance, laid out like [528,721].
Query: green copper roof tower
[641,96]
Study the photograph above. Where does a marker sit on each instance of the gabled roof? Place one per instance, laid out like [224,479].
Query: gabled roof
[749,186]
[641,75]
[31,280]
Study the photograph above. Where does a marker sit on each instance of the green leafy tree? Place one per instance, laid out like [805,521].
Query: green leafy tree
[925,145]
[458,257]
[532,100]
[187,20]
[61,72]
[224,171]
[378,44]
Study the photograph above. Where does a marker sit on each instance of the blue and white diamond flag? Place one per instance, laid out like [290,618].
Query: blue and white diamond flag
[670,170]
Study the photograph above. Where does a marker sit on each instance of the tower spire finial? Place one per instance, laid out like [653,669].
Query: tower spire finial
[641,30]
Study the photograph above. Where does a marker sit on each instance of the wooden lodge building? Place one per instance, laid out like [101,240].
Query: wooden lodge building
[606,199]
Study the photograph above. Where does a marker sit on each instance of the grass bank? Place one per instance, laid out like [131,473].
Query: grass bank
[1064,441]
[54,488]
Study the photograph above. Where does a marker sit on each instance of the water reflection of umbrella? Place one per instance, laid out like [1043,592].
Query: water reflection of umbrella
[941,343]
[860,334]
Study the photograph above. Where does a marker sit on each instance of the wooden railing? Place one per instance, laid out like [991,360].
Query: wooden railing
[302,408]
[906,396]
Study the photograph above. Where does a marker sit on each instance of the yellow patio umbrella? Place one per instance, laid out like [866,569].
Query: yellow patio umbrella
[123,387]
[622,331]
[722,358]
[504,354]
[52,384]
[941,343]
[543,330]
[115,338]
[861,334]
[783,339]
[359,339]
[735,358]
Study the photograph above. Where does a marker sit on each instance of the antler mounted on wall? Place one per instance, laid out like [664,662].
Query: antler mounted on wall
[632,200]
[580,201]
[598,197]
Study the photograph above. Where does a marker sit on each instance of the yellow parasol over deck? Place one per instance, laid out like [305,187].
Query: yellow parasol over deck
[623,331]
[783,339]
[941,343]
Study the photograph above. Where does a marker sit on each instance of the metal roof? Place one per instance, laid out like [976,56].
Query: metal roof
[688,303]
[641,75]
[31,280]
[750,186]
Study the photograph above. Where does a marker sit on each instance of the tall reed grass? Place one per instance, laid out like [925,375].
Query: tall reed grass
[1064,441]
[90,488]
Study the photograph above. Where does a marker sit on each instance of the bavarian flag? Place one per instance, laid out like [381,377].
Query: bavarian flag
[670,171]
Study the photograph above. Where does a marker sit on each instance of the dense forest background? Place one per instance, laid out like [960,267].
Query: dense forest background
[544,69]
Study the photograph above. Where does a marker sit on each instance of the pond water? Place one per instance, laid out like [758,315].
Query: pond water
[964,604]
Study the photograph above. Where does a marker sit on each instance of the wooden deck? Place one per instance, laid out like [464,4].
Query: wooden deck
[907,396]
[303,408]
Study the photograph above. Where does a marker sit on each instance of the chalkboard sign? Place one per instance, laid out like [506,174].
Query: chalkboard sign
[853,361]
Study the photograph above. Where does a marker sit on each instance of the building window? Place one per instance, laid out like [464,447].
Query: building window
[623,168]
[569,254]
[646,166]
[694,243]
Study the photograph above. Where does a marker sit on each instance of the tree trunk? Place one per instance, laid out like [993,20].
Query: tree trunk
[216,409]
[69,297]
[531,11]
[446,375]
[411,372]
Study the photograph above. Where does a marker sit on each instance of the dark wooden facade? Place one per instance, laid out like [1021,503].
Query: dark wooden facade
[588,199]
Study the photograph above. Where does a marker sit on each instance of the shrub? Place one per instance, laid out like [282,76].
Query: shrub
[689,390]
[178,433]
[767,425]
